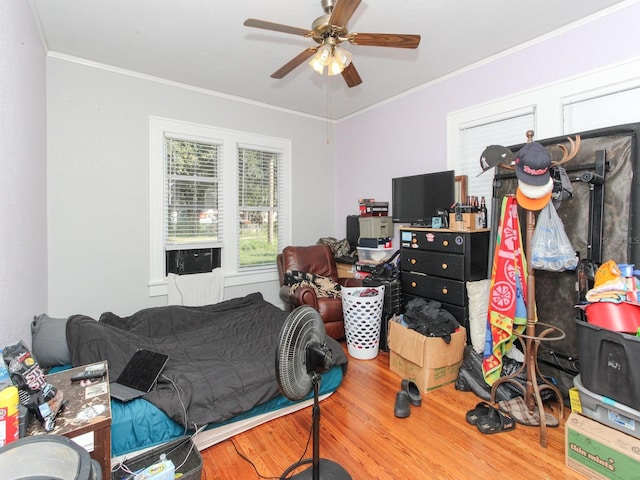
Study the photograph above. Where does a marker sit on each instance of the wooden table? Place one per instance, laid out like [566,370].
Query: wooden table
[86,418]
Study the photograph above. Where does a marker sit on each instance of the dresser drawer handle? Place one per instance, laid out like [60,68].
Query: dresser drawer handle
[444,290]
[445,243]
[445,266]
[414,284]
[413,261]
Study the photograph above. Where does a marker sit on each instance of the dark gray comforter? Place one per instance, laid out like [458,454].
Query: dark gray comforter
[221,357]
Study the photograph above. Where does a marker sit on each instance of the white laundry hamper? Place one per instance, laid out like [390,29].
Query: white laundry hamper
[362,317]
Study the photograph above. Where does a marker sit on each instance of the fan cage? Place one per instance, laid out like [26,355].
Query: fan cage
[302,327]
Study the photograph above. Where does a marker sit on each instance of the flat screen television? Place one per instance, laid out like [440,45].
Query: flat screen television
[416,199]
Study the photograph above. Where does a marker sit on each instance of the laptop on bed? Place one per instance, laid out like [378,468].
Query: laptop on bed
[139,375]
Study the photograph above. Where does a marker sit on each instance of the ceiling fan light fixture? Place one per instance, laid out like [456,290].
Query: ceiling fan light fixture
[316,65]
[332,56]
[321,59]
[335,67]
[342,56]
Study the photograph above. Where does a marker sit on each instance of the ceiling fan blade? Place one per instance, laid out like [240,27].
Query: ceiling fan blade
[276,27]
[351,75]
[397,40]
[343,11]
[294,62]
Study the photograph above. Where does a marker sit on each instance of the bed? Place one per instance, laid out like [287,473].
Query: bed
[220,378]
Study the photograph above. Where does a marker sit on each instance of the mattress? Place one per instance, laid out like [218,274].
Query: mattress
[139,424]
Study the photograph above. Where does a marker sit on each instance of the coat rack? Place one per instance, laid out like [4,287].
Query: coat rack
[536,332]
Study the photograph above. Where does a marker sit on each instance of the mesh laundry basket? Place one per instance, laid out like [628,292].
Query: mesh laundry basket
[362,316]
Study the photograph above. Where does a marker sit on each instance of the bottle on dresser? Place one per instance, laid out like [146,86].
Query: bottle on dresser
[483,212]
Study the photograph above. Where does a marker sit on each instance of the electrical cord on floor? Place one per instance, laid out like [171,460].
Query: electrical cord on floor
[122,465]
[248,460]
[198,430]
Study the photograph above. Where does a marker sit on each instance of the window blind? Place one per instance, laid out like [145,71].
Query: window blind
[259,206]
[193,193]
[613,106]
[507,129]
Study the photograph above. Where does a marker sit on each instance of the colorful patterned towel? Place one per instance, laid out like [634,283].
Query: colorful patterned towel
[507,293]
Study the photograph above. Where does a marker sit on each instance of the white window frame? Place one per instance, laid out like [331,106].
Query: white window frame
[620,101]
[469,160]
[229,139]
[548,102]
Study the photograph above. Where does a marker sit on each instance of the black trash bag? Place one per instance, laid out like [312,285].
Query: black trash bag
[471,379]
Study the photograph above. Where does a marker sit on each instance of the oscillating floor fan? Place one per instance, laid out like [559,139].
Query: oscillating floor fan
[301,357]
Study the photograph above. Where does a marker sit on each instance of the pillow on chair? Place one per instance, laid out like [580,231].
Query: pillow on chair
[323,286]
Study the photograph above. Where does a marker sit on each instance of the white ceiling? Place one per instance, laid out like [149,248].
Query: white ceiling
[203,43]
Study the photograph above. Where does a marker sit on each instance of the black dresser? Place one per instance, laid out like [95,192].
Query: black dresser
[436,264]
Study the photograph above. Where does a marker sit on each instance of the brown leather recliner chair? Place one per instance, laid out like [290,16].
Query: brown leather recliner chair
[317,259]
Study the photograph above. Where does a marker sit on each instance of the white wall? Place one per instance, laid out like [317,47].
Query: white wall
[408,135]
[98,178]
[23,240]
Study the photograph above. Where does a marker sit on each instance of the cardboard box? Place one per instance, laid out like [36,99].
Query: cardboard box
[600,452]
[468,222]
[428,361]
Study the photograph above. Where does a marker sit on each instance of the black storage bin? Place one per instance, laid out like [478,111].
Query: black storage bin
[182,452]
[392,305]
[609,363]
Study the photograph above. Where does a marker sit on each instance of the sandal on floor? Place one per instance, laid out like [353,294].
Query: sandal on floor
[482,409]
[496,422]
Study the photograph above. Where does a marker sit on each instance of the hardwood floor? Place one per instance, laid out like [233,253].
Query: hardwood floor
[360,432]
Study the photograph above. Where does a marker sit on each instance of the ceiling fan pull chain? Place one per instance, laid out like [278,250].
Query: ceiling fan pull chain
[329,113]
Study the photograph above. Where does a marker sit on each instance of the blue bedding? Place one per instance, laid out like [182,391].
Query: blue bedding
[140,424]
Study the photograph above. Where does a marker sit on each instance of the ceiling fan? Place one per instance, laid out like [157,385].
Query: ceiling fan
[329,31]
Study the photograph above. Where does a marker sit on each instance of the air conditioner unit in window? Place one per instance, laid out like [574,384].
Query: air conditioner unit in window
[196,260]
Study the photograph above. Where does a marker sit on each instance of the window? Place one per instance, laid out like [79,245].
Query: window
[603,98]
[193,193]
[611,106]
[505,129]
[258,205]
[211,187]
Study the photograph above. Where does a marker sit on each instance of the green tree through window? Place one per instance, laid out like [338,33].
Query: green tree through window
[192,192]
[258,206]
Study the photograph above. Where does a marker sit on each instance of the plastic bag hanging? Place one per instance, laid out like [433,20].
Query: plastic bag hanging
[551,249]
